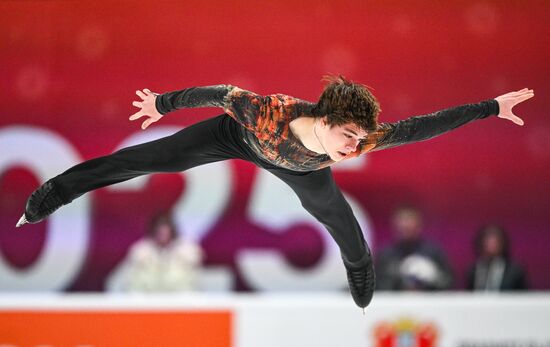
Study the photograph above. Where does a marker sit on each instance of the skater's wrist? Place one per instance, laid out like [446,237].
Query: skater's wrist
[493,108]
[159,105]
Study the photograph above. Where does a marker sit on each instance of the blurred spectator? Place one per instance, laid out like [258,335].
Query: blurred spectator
[160,262]
[412,263]
[494,270]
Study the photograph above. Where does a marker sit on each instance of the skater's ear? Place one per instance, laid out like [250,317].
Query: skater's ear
[323,121]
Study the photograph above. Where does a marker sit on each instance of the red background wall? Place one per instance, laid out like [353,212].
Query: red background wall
[73,67]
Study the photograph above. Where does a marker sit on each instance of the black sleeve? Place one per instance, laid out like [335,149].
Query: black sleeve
[425,127]
[518,278]
[211,96]
[470,278]
[387,271]
[446,278]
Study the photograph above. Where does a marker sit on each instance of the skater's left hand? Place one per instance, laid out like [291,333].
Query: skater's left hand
[147,108]
[509,100]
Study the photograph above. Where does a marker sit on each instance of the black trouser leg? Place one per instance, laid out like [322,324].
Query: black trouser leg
[322,198]
[205,142]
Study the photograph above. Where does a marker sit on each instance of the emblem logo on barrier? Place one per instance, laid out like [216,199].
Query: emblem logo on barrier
[405,332]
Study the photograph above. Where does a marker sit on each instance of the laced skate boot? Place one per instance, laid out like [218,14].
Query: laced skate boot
[42,202]
[361,279]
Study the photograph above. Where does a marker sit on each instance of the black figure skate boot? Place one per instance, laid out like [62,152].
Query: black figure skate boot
[361,279]
[42,202]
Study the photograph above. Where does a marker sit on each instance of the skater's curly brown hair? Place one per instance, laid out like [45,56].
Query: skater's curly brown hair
[344,101]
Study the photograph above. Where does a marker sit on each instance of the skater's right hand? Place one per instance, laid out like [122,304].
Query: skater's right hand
[147,108]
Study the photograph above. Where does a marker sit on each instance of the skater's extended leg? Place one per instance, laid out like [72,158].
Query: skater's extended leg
[205,142]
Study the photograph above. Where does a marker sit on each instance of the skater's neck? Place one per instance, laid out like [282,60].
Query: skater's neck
[304,129]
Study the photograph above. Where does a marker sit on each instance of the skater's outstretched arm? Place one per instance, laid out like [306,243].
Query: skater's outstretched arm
[425,127]
[244,106]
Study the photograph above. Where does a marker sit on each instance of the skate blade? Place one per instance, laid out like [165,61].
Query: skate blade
[22,221]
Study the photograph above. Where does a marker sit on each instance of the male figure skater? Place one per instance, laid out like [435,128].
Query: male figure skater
[293,139]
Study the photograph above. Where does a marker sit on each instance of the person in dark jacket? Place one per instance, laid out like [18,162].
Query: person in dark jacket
[494,269]
[412,262]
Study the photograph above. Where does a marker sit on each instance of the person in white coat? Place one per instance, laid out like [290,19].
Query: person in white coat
[163,261]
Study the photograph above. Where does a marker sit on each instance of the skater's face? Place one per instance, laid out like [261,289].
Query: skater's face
[340,140]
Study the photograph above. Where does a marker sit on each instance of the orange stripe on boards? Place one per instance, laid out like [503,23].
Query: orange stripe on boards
[116,328]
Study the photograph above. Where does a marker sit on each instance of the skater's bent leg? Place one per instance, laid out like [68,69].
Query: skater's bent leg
[322,198]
